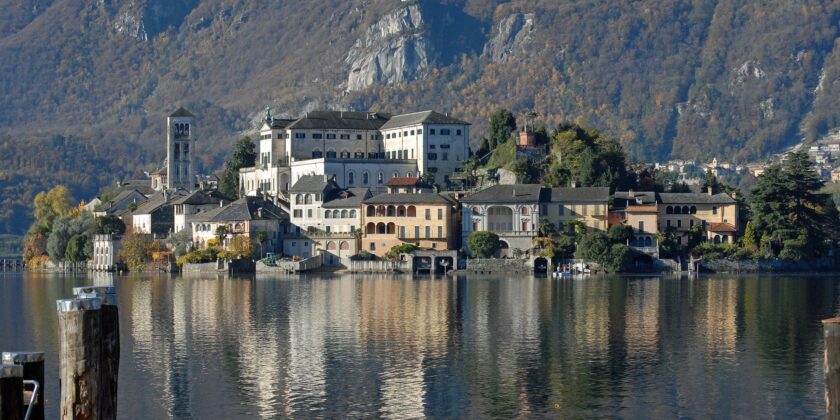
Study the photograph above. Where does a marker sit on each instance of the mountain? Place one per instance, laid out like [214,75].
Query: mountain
[88,83]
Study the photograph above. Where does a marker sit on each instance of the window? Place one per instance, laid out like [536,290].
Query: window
[714,210]
[317,136]
[344,137]
[365,178]
[419,131]
[432,131]
[440,232]
[444,156]
[388,136]
[327,214]
[402,231]
[444,146]
[440,214]
[358,136]
[561,209]
[316,154]
[300,135]
[298,213]
[372,246]
[445,131]
[330,136]
[691,223]
[428,232]
[432,156]
[416,232]
[667,223]
[381,179]
[359,155]
[309,213]
[351,178]
[641,226]
[331,154]
[432,147]
[405,133]
[412,132]
[669,210]
[458,132]
[679,223]
[400,154]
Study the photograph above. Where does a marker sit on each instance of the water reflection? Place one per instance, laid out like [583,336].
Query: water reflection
[363,346]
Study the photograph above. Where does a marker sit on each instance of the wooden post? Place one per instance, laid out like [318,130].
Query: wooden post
[33,370]
[110,346]
[11,392]
[79,336]
[832,367]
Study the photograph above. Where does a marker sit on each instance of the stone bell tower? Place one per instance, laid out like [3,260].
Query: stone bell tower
[180,148]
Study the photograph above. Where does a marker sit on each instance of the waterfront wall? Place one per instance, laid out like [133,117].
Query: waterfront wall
[220,266]
[502,265]
[765,266]
[379,266]
[289,267]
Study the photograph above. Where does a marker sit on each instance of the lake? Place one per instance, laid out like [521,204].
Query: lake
[401,347]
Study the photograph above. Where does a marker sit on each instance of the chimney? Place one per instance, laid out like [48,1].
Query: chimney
[709,191]
[221,203]
[574,184]
[259,212]
[734,195]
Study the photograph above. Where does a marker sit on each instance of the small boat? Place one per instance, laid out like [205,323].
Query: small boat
[562,272]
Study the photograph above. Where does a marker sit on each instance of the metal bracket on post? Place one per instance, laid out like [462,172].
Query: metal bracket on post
[36,388]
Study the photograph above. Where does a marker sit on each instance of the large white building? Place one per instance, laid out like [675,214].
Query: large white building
[361,149]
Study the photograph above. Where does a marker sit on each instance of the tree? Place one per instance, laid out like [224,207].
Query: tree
[244,156]
[221,234]
[180,242]
[111,225]
[749,240]
[620,234]
[75,251]
[50,205]
[135,250]
[60,234]
[34,247]
[547,228]
[483,244]
[593,246]
[502,124]
[395,251]
[240,246]
[261,236]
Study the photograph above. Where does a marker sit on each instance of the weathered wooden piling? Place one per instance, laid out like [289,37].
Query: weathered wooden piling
[33,370]
[80,336]
[11,392]
[110,346]
[832,367]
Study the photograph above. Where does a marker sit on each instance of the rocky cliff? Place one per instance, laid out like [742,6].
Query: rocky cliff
[395,49]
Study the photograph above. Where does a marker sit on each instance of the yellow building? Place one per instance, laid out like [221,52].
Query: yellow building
[639,210]
[717,214]
[425,220]
[589,206]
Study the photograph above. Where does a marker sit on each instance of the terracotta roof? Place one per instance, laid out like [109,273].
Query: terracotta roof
[721,227]
[403,182]
[641,208]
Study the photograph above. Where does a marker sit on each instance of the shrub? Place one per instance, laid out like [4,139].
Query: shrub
[199,256]
[400,249]
[483,244]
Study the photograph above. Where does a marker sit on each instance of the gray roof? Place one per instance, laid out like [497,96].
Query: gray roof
[515,193]
[310,184]
[423,117]
[121,201]
[159,200]
[409,199]
[144,186]
[243,209]
[279,123]
[695,198]
[200,197]
[580,194]
[338,120]
[181,112]
[354,198]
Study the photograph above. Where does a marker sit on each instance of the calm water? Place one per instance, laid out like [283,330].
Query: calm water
[363,346]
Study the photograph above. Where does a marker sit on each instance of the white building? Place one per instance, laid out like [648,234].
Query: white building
[352,144]
[105,251]
[180,148]
[246,217]
[188,206]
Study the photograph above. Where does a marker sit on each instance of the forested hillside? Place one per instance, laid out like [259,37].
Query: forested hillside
[667,78]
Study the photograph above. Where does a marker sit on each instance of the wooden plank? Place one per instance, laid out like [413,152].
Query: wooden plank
[80,334]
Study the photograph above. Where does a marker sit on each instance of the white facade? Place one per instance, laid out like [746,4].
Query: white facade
[142,223]
[105,250]
[438,148]
[350,173]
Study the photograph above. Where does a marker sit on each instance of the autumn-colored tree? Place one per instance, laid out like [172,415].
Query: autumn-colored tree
[135,250]
[241,246]
[49,205]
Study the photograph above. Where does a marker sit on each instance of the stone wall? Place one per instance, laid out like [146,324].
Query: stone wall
[379,267]
[765,266]
[502,265]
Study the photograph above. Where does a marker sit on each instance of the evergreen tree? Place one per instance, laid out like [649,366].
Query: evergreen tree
[502,124]
[244,156]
